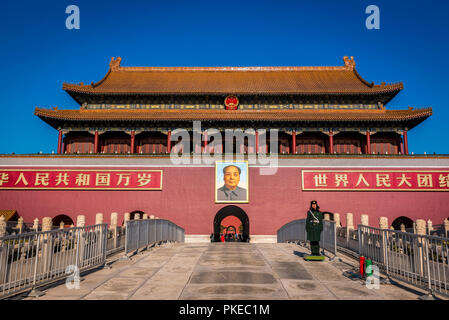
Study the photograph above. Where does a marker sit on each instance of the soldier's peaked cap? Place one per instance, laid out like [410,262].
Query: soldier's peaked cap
[314,202]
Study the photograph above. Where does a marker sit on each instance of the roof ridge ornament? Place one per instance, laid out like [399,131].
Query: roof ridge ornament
[114,65]
[349,63]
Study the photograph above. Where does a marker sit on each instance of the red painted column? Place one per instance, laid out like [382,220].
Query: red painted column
[96,142]
[368,143]
[59,141]
[401,144]
[405,142]
[169,141]
[331,142]
[63,146]
[257,141]
[293,142]
[133,139]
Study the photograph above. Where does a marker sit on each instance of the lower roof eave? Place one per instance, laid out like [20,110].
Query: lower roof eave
[69,123]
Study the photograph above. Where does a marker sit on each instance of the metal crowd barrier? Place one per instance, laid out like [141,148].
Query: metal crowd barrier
[295,231]
[348,239]
[142,233]
[328,239]
[420,260]
[30,260]
[115,240]
[12,227]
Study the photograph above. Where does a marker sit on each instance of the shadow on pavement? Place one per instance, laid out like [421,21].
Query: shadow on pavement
[299,254]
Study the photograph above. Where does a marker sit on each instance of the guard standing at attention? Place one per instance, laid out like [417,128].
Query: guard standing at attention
[314,227]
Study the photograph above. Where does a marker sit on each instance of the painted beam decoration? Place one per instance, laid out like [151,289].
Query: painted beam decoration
[375,180]
[80,179]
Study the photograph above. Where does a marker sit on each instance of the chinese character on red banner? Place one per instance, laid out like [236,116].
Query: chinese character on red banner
[404,179]
[62,178]
[383,180]
[416,180]
[362,179]
[341,178]
[42,179]
[82,179]
[424,180]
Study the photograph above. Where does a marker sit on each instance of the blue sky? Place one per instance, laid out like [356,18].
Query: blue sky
[38,53]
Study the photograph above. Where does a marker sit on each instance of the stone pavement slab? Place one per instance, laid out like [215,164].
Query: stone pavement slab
[225,271]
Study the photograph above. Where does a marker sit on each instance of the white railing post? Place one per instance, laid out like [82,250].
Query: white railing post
[99,218]
[47,249]
[421,230]
[2,226]
[429,295]
[429,227]
[20,224]
[126,218]
[383,223]
[113,226]
[36,224]
[364,220]
[80,222]
[337,220]
[446,228]
[34,292]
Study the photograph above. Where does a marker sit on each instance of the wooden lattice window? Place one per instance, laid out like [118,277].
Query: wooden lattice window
[383,146]
[309,146]
[81,145]
[347,146]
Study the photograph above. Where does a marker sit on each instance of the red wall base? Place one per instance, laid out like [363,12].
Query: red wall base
[188,200]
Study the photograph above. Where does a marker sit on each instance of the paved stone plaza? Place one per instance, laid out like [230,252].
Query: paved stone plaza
[226,271]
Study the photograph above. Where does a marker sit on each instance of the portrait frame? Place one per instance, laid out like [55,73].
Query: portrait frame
[219,182]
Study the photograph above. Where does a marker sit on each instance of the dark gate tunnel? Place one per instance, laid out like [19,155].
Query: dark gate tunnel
[231,211]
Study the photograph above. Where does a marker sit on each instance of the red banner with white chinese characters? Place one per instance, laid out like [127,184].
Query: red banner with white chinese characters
[80,179]
[375,180]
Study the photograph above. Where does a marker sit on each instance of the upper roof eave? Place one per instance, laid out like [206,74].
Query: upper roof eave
[338,80]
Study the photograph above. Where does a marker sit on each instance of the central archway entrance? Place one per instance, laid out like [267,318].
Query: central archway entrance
[231,211]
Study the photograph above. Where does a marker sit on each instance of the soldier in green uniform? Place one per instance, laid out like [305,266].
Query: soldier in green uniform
[314,226]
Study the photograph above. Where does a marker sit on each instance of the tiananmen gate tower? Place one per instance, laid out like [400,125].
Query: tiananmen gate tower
[336,142]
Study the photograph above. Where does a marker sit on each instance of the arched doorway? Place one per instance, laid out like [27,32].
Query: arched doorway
[231,230]
[62,218]
[230,234]
[407,222]
[231,211]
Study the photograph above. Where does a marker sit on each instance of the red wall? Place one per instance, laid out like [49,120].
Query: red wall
[187,199]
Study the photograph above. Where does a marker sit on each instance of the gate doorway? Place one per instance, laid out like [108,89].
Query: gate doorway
[231,211]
